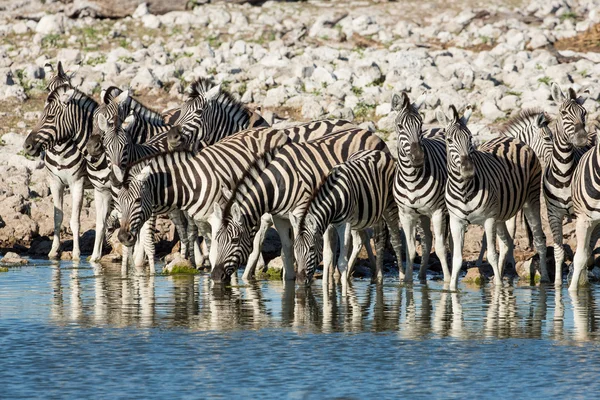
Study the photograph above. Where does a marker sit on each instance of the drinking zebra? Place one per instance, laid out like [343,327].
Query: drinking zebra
[189,181]
[488,186]
[419,185]
[276,184]
[209,115]
[569,145]
[356,194]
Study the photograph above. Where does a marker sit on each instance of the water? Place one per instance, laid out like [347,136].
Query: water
[89,333]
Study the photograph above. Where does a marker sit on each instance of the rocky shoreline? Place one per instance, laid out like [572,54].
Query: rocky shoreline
[298,62]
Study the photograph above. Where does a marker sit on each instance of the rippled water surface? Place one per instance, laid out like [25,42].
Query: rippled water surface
[82,332]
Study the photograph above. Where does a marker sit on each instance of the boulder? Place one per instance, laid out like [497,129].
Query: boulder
[13,259]
[51,24]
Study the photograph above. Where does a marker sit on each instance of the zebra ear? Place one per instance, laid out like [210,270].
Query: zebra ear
[67,95]
[420,101]
[557,94]
[102,122]
[227,193]
[236,213]
[396,102]
[213,92]
[441,117]
[59,70]
[467,115]
[310,223]
[541,120]
[217,214]
[454,114]
[144,173]
[581,99]
[295,221]
[48,68]
[122,97]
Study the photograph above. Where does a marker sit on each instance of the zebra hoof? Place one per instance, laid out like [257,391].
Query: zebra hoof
[53,255]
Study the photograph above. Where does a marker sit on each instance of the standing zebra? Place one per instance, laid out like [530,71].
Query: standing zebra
[569,145]
[276,184]
[62,131]
[488,186]
[531,127]
[419,185]
[586,204]
[356,194]
[192,182]
[209,115]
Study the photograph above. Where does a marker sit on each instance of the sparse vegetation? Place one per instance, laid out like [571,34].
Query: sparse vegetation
[51,40]
[363,111]
[126,59]
[568,15]
[23,154]
[181,270]
[93,61]
[545,80]
[513,93]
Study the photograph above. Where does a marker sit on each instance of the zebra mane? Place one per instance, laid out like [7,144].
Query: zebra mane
[81,98]
[226,100]
[526,116]
[312,197]
[199,87]
[253,171]
[131,167]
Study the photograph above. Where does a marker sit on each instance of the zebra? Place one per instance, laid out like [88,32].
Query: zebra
[62,131]
[189,181]
[356,194]
[209,115]
[532,127]
[489,186]
[277,183]
[570,143]
[132,191]
[419,185]
[586,205]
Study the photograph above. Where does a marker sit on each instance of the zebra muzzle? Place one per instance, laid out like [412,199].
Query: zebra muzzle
[580,138]
[467,169]
[126,237]
[417,155]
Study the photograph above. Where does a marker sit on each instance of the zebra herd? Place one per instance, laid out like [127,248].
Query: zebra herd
[221,173]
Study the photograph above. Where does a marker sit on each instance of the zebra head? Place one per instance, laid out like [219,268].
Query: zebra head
[233,239]
[308,247]
[58,122]
[115,142]
[94,145]
[459,142]
[135,201]
[409,125]
[571,117]
[191,115]
[60,76]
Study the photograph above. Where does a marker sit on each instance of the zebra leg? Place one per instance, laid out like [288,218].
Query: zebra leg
[266,222]
[103,199]
[505,245]
[148,242]
[193,253]
[532,214]
[380,239]
[179,220]
[457,229]
[357,244]
[58,189]
[511,226]
[77,194]
[204,230]
[343,258]
[284,227]
[490,231]
[329,249]
[479,261]
[365,237]
[439,227]
[583,230]
[127,250]
[426,241]
[396,237]
[555,221]
[409,224]
[138,250]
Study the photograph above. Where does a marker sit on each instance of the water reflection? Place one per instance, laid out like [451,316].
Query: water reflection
[100,296]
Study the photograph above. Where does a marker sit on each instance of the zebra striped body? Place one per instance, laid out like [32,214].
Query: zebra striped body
[488,186]
[586,205]
[62,131]
[356,194]
[419,185]
[570,143]
[280,182]
[209,115]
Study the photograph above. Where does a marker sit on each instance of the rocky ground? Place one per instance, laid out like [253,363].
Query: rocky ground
[298,61]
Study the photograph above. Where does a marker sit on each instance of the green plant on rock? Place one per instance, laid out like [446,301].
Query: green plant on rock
[93,61]
[181,270]
[50,40]
[545,80]
[363,111]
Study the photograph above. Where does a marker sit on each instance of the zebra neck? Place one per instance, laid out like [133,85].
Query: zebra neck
[466,189]
[562,162]
[326,211]
[406,169]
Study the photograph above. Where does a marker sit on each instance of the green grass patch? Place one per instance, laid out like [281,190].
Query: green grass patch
[568,15]
[357,91]
[27,156]
[271,274]
[545,80]
[126,59]
[510,92]
[3,269]
[51,40]
[364,111]
[93,61]
[182,269]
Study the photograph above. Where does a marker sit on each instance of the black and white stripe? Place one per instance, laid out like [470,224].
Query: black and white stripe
[419,185]
[569,144]
[281,182]
[356,194]
[488,186]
